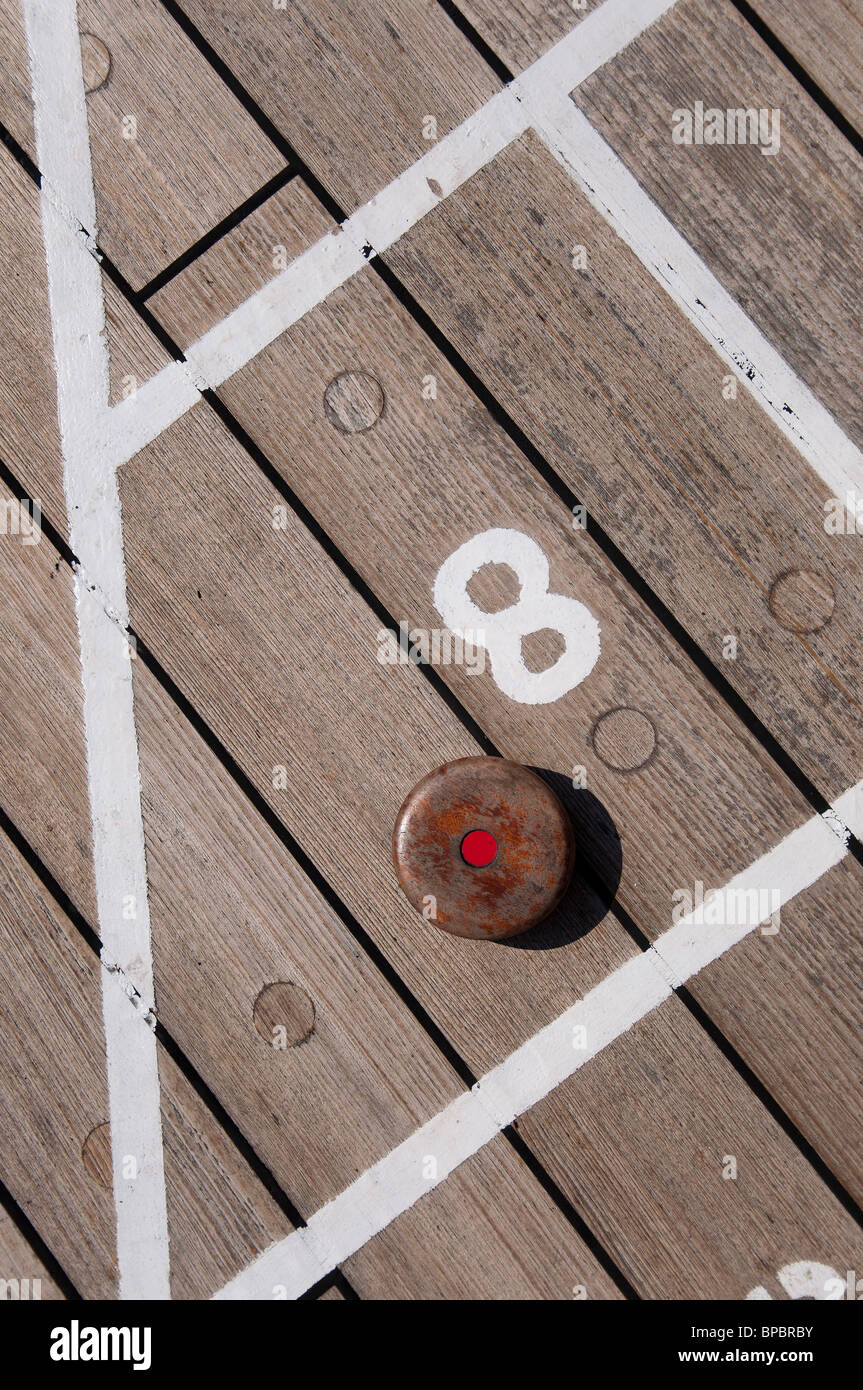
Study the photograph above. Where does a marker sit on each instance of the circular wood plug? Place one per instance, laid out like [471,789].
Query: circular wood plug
[483,848]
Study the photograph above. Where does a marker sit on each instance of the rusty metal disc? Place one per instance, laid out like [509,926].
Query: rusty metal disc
[483,848]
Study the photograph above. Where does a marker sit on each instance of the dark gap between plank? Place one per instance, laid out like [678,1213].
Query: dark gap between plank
[21,1220]
[310,869]
[221,229]
[799,73]
[167,1040]
[641,587]
[674,627]
[472,34]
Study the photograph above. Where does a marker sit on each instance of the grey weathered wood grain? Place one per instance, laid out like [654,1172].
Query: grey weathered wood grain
[30,440]
[435,1250]
[701,493]
[683,487]
[664,1082]
[29,436]
[357,82]
[240,264]
[440,470]
[279,653]
[44,770]
[21,1268]
[196,154]
[54,1096]
[261,602]
[231,914]
[813,1069]
[827,40]
[781,232]
[200,873]
[520,31]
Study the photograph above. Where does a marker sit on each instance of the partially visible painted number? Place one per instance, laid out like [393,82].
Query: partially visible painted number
[806,1279]
[534,610]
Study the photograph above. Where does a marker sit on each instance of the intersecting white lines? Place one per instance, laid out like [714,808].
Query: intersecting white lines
[332,260]
[98,438]
[95,533]
[398,1181]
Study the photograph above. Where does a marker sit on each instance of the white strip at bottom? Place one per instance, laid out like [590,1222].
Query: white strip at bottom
[132,1068]
[124,928]
[394,1184]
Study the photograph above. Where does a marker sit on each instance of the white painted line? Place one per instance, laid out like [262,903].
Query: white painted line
[600,36]
[74,277]
[320,270]
[538,99]
[449,163]
[78,325]
[97,438]
[782,873]
[156,405]
[849,809]
[394,1184]
[249,329]
[617,195]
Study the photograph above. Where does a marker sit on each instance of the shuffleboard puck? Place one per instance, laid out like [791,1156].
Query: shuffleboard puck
[483,848]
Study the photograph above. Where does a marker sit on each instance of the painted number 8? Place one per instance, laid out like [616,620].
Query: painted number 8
[534,610]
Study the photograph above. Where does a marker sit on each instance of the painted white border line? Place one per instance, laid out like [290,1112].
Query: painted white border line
[332,260]
[610,187]
[97,438]
[394,1184]
[78,328]
[538,99]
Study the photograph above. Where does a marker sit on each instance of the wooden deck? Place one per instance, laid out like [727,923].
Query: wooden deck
[303,363]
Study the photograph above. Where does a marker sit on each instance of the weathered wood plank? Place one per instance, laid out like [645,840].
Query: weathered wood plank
[237,920]
[195,154]
[701,493]
[241,262]
[662,490]
[133,354]
[55,1145]
[827,40]
[813,1069]
[30,443]
[29,436]
[265,601]
[448,1267]
[233,913]
[285,609]
[435,1249]
[520,31]
[607,962]
[243,944]
[367,484]
[780,232]
[43,781]
[22,1273]
[312,1162]
[666,1084]
[356,86]
[237,602]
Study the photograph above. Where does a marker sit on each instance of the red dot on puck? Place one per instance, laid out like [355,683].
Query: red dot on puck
[478,848]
